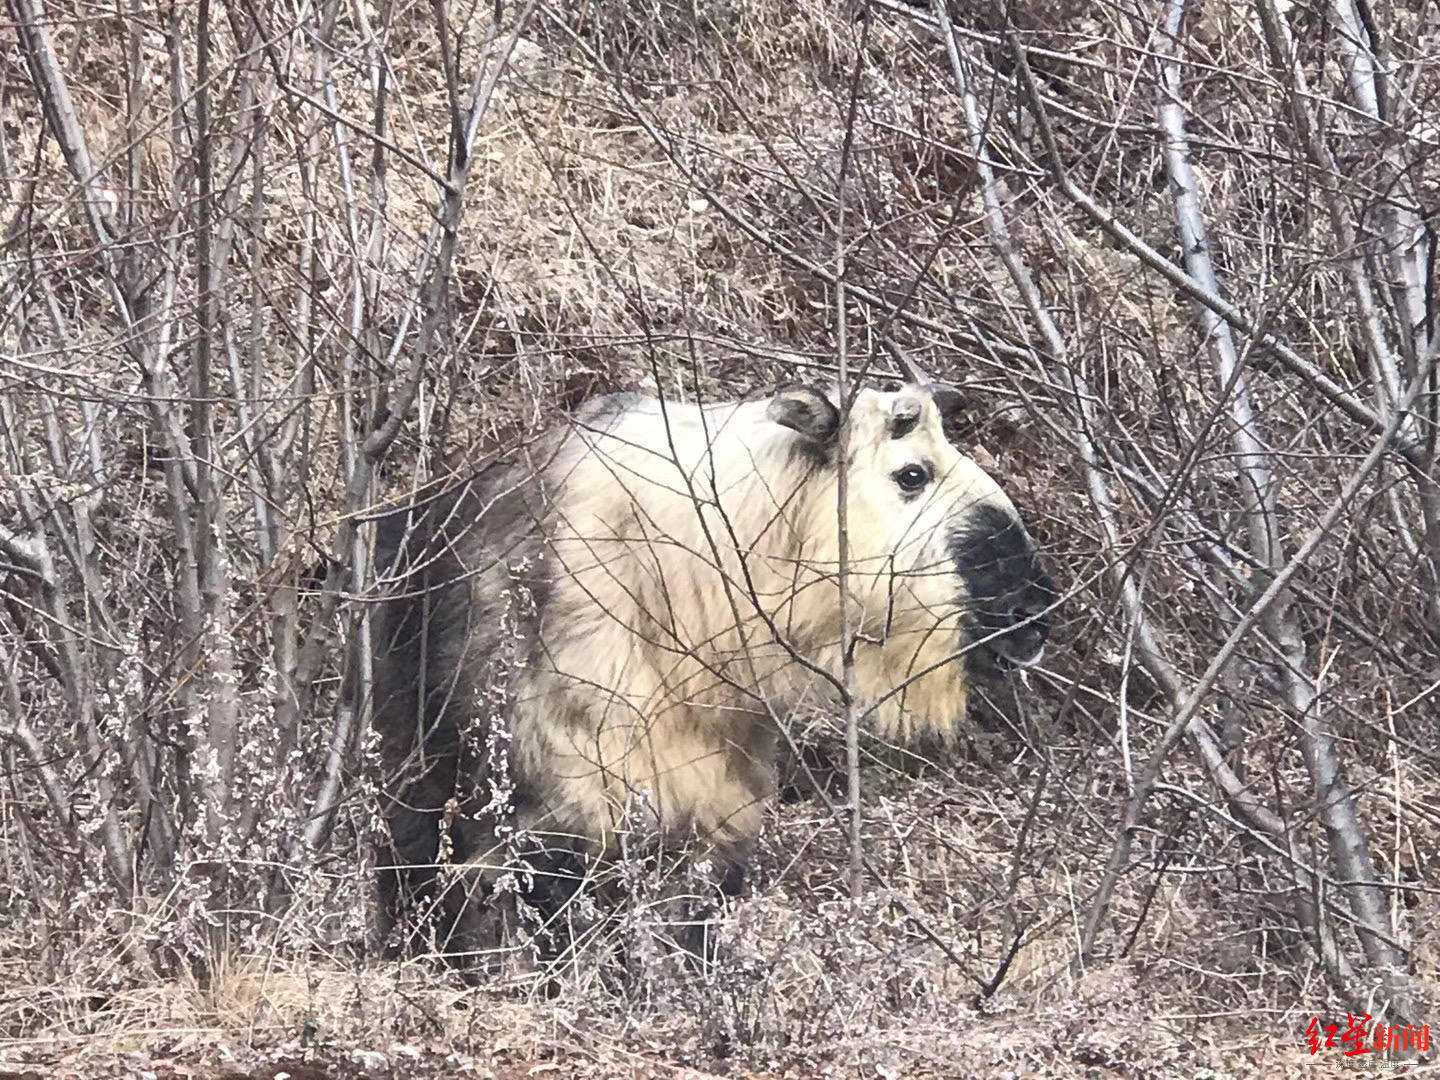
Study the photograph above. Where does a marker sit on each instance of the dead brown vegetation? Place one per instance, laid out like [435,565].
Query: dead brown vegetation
[1179,257]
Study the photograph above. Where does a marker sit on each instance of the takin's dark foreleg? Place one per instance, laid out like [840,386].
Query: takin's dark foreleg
[685,907]
[700,937]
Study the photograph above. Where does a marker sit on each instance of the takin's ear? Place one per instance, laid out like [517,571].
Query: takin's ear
[948,400]
[806,410]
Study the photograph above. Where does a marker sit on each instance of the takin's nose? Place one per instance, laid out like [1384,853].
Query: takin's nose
[1028,627]
[1008,593]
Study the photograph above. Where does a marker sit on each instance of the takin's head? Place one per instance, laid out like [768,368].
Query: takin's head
[935,544]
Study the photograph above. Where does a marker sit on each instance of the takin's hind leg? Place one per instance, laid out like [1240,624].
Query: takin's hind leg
[506,903]
[470,921]
[429,903]
[406,887]
[398,893]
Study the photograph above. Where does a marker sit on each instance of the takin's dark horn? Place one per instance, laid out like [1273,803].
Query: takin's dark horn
[904,415]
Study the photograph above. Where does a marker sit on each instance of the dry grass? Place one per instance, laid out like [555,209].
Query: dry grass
[598,258]
[805,984]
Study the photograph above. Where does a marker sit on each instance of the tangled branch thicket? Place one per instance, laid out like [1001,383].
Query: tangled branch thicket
[268,267]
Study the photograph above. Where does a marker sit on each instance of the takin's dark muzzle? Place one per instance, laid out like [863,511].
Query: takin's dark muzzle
[1008,593]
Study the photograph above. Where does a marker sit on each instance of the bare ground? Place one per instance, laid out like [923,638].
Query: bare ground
[504,1043]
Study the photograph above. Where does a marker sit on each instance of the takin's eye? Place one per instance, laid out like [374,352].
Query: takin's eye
[912,478]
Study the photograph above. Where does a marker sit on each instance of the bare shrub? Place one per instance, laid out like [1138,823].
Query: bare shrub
[259,281]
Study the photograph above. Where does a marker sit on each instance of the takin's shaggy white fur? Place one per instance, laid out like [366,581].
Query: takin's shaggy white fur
[632,602]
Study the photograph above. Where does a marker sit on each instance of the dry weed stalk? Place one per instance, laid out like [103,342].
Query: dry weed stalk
[1178,258]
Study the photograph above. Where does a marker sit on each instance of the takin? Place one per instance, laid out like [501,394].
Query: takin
[595,640]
